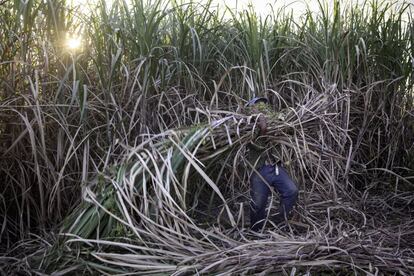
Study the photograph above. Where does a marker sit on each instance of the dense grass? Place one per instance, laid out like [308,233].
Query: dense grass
[83,132]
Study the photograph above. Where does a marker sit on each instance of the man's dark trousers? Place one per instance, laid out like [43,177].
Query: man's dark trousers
[277,178]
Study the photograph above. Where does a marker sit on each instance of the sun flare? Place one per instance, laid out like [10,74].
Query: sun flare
[73,43]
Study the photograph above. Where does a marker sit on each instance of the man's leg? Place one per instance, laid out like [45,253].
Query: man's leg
[259,193]
[288,192]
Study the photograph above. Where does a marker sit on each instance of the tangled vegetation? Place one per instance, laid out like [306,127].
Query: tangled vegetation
[128,155]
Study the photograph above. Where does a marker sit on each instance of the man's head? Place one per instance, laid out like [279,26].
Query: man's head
[257,100]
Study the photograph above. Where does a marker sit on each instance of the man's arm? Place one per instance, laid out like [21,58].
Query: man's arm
[262,122]
[262,125]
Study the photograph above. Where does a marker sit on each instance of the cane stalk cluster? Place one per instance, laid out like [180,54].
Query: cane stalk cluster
[128,154]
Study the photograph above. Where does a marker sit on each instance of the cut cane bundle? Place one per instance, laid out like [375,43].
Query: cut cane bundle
[151,181]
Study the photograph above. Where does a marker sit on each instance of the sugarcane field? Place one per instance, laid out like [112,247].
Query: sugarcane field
[206,137]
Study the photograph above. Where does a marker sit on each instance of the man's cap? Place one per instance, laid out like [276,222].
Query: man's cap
[256,100]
